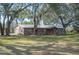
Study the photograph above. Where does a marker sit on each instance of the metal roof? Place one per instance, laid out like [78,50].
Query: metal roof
[43,26]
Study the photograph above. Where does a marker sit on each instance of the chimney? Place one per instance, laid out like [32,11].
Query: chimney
[41,22]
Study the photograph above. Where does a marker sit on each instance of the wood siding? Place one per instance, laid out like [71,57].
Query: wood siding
[44,31]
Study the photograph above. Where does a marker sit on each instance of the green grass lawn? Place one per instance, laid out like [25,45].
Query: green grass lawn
[45,38]
[47,44]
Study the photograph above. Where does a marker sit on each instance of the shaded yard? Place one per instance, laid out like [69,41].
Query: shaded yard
[39,45]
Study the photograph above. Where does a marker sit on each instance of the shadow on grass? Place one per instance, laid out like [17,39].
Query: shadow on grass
[48,49]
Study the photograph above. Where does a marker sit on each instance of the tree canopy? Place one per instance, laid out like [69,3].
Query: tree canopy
[49,12]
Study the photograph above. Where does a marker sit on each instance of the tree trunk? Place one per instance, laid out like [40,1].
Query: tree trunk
[64,28]
[9,21]
[8,31]
[8,27]
[35,26]
[1,29]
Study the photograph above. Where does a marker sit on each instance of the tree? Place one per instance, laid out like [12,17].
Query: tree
[38,11]
[25,22]
[76,16]
[63,11]
[10,11]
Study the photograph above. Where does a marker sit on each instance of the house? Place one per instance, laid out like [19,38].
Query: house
[41,30]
